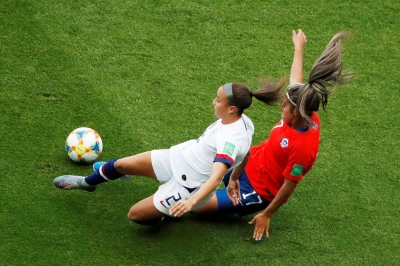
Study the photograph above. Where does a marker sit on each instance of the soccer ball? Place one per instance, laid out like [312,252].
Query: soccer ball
[84,145]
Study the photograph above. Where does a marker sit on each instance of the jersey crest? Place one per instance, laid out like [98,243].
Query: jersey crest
[284,143]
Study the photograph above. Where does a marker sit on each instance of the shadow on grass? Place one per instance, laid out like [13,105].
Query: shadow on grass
[191,223]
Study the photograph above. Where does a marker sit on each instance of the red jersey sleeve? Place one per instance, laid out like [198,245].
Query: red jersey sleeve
[300,162]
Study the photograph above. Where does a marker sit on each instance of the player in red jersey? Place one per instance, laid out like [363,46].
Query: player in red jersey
[269,175]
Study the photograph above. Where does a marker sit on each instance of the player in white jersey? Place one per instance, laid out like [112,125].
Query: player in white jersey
[191,163]
[225,143]
[190,172]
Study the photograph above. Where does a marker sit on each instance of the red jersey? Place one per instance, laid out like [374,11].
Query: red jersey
[288,153]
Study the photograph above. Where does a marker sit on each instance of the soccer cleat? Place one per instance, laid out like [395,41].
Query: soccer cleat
[97,165]
[67,182]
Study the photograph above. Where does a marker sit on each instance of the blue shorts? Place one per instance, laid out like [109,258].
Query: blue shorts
[251,201]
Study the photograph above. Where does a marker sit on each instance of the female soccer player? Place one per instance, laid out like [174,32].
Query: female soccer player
[190,172]
[276,166]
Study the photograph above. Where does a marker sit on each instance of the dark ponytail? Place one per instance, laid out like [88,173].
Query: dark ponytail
[268,93]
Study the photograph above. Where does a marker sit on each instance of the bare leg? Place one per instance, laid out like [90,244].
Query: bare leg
[144,212]
[139,164]
[211,207]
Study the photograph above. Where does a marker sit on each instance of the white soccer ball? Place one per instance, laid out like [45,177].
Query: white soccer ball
[84,145]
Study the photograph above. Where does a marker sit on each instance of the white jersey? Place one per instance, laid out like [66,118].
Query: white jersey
[192,161]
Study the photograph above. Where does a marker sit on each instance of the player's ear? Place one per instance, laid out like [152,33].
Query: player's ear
[233,109]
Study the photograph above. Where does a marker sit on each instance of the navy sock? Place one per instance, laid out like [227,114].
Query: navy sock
[95,179]
[105,173]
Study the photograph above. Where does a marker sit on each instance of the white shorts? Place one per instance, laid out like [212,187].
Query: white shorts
[170,191]
[161,165]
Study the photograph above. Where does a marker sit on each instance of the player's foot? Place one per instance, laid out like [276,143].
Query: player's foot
[97,165]
[67,182]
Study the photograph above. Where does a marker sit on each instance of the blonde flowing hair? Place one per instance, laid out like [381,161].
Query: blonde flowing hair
[326,73]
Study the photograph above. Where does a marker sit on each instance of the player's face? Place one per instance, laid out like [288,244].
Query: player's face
[287,112]
[221,104]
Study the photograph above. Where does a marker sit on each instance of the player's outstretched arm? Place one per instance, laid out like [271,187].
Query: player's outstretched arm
[296,72]
[262,220]
[217,173]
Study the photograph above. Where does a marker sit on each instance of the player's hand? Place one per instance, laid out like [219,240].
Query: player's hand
[299,39]
[180,208]
[261,222]
[233,190]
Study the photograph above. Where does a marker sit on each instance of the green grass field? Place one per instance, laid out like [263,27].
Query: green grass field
[143,74]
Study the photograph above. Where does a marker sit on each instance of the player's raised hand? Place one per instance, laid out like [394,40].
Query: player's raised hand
[299,38]
[233,190]
[261,222]
[180,208]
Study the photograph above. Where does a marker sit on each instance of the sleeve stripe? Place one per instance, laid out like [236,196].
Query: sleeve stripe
[227,162]
[223,157]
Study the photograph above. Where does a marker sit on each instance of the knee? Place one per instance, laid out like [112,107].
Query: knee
[135,217]
[132,214]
